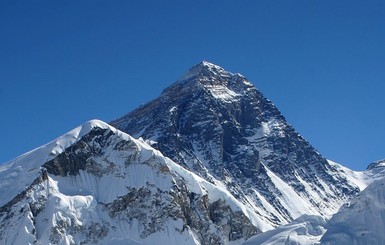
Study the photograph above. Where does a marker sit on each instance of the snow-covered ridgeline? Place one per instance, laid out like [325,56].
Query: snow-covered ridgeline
[13,177]
[62,206]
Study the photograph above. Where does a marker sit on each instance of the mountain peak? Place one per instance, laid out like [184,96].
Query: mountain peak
[209,66]
[205,71]
[210,77]
[377,164]
[11,173]
[219,125]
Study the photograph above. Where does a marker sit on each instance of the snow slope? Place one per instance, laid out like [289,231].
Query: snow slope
[13,177]
[361,221]
[96,184]
[306,230]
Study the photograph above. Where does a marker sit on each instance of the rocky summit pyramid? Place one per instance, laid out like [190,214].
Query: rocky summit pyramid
[210,161]
[218,125]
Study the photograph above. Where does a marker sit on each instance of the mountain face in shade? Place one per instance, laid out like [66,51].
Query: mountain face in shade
[217,124]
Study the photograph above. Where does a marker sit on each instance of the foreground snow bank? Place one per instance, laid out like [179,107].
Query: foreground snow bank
[362,221]
[305,230]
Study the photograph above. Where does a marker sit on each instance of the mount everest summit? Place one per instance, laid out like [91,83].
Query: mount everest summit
[210,161]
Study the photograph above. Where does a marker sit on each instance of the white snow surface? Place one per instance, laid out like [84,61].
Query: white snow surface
[305,230]
[290,199]
[361,221]
[223,93]
[13,177]
[362,179]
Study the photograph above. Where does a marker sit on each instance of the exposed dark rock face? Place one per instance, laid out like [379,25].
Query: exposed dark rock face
[213,223]
[379,165]
[220,126]
[79,156]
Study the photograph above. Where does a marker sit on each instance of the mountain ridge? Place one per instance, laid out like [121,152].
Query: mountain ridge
[215,162]
[33,159]
[72,200]
[46,183]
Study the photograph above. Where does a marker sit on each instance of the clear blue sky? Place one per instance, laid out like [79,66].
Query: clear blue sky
[322,62]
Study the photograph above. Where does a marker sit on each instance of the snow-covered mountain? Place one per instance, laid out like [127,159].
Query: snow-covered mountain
[98,185]
[211,161]
[305,230]
[217,124]
[360,221]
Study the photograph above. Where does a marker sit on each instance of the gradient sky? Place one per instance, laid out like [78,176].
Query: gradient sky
[322,63]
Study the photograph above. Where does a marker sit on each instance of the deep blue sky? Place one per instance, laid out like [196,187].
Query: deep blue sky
[322,62]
